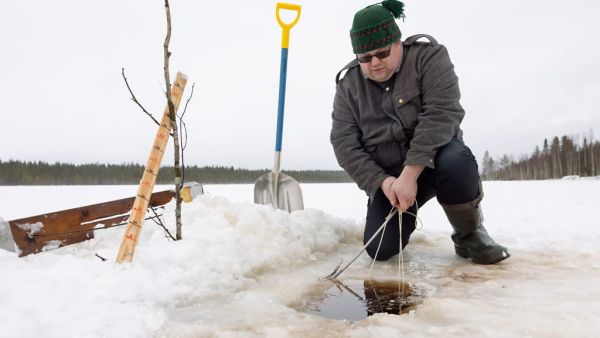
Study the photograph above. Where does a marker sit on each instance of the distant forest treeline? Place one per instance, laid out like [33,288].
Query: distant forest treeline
[42,173]
[558,158]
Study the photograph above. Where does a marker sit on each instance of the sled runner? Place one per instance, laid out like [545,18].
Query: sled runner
[57,229]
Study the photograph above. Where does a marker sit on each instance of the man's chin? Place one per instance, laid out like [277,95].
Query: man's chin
[380,77]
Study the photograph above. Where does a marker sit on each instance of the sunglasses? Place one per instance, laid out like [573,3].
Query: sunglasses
[381,55]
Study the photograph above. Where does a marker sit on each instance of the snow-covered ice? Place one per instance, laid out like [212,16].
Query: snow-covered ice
[241,268]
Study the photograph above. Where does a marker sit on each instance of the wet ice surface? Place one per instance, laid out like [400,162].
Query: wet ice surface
[242,270]
[357,299]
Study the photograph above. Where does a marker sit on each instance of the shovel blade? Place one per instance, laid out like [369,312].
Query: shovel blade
[279,190]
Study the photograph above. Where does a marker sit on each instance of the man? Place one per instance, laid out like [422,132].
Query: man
[396,132]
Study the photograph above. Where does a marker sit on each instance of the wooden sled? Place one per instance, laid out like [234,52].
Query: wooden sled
[57,229]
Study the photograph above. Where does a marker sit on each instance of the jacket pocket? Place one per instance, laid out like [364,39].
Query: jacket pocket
[390,156]
[408,107]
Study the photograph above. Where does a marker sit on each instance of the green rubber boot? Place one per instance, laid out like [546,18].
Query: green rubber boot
[471,240]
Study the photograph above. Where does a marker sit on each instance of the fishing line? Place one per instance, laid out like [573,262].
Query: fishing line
[379,246]
[401,260]
[419,226]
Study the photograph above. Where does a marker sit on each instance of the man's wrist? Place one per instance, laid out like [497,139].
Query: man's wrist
[412,171]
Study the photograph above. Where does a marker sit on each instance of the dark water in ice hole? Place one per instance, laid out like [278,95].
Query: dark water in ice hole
[358,299]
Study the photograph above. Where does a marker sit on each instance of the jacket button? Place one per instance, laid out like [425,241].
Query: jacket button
[387,89]
[401,101]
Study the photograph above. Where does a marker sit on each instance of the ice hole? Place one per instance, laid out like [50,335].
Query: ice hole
[357,299]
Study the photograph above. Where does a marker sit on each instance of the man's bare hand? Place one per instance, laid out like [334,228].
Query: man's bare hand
[405,191]
[386,187]
[402,191]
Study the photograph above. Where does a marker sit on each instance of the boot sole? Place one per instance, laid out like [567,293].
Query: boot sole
[466,253]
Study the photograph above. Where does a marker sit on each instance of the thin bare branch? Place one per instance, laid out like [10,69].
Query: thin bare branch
[183,144]
[134,99]
[182,153]
[182,125]
[160,223]
[188,101]
[102,258]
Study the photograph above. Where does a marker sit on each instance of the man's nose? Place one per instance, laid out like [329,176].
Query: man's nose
[375,60]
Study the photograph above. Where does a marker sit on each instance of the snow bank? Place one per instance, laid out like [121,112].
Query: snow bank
[227,247]
[577,177]
[241,268]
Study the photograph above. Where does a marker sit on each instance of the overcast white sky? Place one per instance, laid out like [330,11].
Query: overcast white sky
[528,70]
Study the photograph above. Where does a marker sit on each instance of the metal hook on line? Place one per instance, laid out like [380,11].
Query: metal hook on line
[337,271]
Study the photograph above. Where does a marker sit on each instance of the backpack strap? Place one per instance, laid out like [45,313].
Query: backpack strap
[412,39]
[351,64]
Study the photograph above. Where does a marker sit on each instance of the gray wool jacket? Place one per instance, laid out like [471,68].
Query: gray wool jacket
[377,128]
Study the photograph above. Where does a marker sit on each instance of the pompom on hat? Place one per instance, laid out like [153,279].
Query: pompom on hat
[375,26]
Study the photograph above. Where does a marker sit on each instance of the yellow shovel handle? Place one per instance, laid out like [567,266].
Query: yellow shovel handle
[285,38]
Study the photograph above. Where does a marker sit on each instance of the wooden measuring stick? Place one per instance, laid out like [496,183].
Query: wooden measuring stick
[138,212]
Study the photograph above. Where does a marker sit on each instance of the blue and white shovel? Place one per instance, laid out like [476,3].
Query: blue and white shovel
[275,188]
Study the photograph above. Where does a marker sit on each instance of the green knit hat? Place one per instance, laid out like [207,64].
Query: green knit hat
[375,26]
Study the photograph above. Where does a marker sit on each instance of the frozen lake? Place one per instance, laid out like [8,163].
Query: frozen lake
[242,270]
